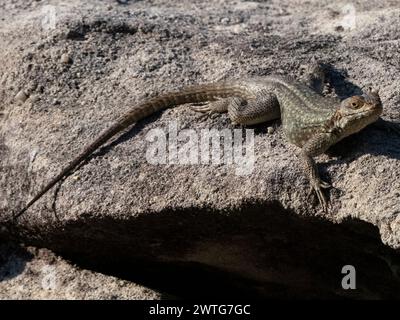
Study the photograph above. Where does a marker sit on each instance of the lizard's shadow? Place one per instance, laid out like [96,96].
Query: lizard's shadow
[127,135]
[378,139]
[337,79]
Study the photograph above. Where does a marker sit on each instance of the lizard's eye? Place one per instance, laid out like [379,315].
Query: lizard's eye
[356,103]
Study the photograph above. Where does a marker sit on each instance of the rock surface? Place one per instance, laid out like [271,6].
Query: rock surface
[30,273]
[83,65]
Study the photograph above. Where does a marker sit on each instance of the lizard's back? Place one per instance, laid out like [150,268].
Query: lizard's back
[303,111]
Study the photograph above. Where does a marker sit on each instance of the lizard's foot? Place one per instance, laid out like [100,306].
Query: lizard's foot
[206,110]
[318,185]
[218,106]
[208,115]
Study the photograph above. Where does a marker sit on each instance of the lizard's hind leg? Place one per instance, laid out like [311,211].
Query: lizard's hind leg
[218,106]
[263,107]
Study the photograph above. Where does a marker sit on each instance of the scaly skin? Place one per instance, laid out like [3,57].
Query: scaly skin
[310,121]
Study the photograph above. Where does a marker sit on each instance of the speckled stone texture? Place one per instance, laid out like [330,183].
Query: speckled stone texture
[70,68]
[31,273]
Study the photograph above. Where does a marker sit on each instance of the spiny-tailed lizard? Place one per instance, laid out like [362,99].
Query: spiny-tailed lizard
[310,121]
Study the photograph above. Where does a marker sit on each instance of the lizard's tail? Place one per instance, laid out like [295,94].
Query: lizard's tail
[201,93]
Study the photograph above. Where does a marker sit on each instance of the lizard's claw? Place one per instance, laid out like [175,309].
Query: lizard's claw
[207,110]
[208,115]
[318,185]
[213,115]
[202,108]
[324,184]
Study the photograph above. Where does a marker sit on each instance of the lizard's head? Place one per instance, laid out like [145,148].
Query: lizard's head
[357,112]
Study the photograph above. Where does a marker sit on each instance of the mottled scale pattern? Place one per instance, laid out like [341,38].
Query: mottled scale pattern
[303,111]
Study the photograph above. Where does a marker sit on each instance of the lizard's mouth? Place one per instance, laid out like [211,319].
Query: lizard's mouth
[372,111]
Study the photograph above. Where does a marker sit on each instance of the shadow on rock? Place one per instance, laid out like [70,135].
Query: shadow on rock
[259,251]
[13,259]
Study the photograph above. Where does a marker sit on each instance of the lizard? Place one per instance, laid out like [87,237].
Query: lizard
[310,121]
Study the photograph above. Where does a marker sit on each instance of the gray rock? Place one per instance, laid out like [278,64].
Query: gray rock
[21,96]
[31,273]
[65,58]
[263,226]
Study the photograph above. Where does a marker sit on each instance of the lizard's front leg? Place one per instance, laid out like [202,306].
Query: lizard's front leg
[316,183]
[315,146]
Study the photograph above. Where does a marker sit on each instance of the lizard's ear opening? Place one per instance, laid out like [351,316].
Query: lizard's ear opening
[372,96]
